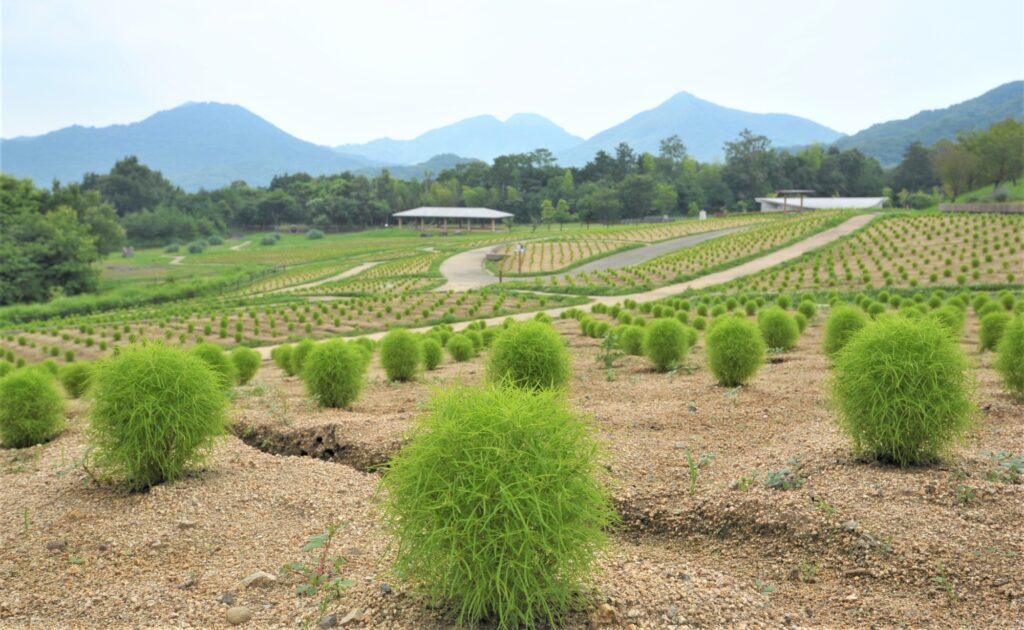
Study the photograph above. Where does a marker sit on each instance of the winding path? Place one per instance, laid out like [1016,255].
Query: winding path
[466,270]
[758,264]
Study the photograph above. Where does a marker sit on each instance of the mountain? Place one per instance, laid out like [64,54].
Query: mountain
[433,166]
[702,126]
[195,145]
[887,141]
[481,137]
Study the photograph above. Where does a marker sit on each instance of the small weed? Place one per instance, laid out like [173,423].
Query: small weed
[764,588]
[786,478]
[694,466]
[965,495]
[809,572]
[746,482]
[75,560]
[324,577]
[609,375]
[610,352]
[826,508]
[1008,467]
[943,581]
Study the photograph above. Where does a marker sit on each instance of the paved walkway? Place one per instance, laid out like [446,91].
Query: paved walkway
[358,269]
[466,270]
[177,260]
[758,264]
[236,248]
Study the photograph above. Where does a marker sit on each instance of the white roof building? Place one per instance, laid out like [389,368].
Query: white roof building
[461,216]
[778,204]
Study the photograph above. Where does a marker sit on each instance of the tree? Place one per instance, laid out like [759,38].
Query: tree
[672,149]
[132,187]
[636,192]
[601,205]
[955,166]
[999,151]
[749,165]
[915,173]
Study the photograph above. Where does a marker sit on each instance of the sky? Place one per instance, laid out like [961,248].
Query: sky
[351,71]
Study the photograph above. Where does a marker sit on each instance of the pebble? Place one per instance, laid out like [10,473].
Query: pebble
[227,598]
[56,545]
[353,615]
[187,583]
[238,615]
[384,588]
[329,621]
[257,579]
[186,524]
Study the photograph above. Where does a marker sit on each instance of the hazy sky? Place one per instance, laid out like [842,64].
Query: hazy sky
[335,72]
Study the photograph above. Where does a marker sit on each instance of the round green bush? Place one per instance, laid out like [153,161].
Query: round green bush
[801,321]
[401,354]
[842,324]
[6,367]
[476,339]
[992,327]
[215,357]
[31,408]
[247,361]
[75,378]
[902,390]
[432,353]
[282,356]
[50,366]
[778,328]
[367,344]
[951,318]
[631,340]
[665,343]
[157,410]
[530,355]
[314,235]
[807,308]
[496,506]
[299,354]
[460,347]
[335,373]
[1010,360]
[735,350]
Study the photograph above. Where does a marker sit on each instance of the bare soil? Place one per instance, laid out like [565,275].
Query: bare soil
[856,544]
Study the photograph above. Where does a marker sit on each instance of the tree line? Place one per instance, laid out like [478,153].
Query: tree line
[50,238]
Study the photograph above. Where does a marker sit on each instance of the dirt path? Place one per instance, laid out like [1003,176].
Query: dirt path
[238,247]
[358,269]
[177,260]
[753,266]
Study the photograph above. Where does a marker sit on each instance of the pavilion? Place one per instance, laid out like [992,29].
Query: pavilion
[461,216]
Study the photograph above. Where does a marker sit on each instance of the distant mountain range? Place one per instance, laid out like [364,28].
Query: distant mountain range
[702,126]
[195,145]
[207,145]
[480,137]
[887,141]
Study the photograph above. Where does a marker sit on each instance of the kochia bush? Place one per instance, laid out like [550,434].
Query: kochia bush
[778,328]
[247,362]
[157,410]
[75,378]
[1010,361]
[842,324]
[992,327]
[529,355]
[400,354]
[214,356]
[902,391]
[631,340]
[335,373]
[432,352]
[665,343]
[735,350]
[496,506]
[31,408]
[460,347]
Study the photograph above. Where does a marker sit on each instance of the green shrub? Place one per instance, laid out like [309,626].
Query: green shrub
[367,344]
[157,410]
[433,353]
[460,347]
[268,240]
[401,354]
[778,328]
[992,326]
[335,373]
[299,354]
[735,350]
[31,408]
[1010,360]
[842,324]
[808,309]
[496,506]
[951,318]
[314,235]
[530,355]
[631,340]
[247,361]
[6,367]
[801,321]
[902,391]
[214,240]
[75,378]
[282,356]
[215,357]
[476,339]
[665,343]
[50,366]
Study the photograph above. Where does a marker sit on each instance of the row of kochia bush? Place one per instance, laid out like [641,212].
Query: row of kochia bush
[527,496]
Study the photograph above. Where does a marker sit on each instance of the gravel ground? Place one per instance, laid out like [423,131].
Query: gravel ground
[856,545]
